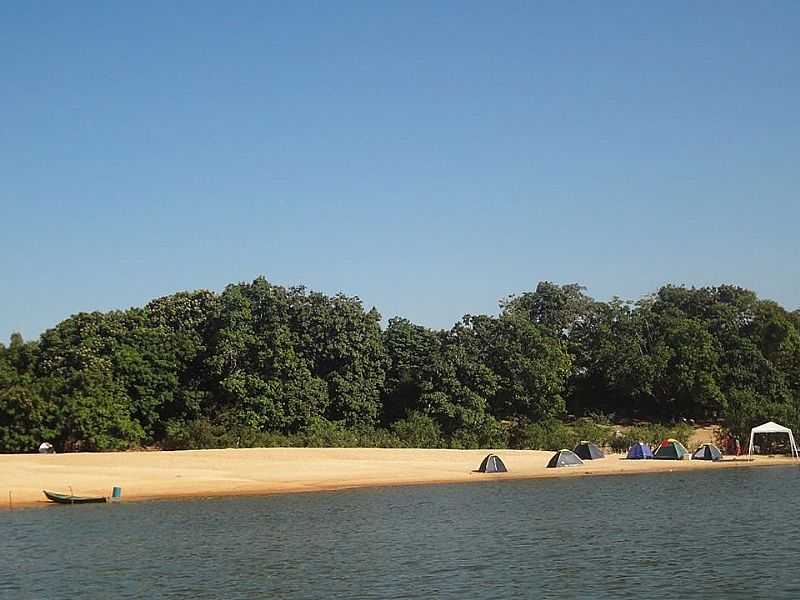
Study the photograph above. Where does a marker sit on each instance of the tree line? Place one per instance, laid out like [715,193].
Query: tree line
[261,364]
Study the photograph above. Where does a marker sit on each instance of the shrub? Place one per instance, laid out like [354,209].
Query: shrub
[601,418]
[378,438]
[321,433]
[202,434]
[554,435]
[247,437]
[488,434]
[544,435]
[417,431]
[587,429]
[651,435]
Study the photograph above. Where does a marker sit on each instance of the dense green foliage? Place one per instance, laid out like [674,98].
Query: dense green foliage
[263,365]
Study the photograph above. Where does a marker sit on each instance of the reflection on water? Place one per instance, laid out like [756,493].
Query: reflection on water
[695,535]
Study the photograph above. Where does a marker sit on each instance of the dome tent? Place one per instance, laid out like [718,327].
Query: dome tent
[707,452]
[671,449]
[588,451]
[492,464]
[640,450]
[564,458]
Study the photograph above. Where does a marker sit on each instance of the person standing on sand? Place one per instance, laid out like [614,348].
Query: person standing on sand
[728,444]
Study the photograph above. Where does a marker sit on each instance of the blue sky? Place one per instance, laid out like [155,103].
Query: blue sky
[430,158]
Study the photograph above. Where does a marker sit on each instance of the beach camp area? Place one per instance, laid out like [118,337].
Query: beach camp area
[199,473]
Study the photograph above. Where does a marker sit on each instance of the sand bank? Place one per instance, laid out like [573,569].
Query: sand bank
[253,471]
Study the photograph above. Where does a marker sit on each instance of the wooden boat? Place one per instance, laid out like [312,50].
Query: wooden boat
[70,499]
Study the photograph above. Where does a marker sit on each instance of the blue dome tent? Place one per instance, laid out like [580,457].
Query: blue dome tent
[640,450]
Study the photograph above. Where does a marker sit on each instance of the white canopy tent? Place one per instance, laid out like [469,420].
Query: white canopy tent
[771,427]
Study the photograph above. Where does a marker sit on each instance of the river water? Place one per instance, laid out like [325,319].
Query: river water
[733,533]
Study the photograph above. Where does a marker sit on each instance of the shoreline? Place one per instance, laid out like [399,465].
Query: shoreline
[187,474]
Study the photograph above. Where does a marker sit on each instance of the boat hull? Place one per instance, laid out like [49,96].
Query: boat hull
[70,499]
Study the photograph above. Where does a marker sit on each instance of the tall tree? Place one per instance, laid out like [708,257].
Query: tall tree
[263,381]
[555,309]
[530,368]
[187,319]
[343,346]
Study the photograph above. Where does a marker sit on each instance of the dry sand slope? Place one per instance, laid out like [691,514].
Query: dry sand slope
[148,475]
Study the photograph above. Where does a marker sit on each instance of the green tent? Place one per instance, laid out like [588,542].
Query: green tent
[670,449]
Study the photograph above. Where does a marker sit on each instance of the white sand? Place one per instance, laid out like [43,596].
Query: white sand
[231,472]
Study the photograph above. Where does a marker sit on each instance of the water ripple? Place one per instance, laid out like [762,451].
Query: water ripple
[696,535]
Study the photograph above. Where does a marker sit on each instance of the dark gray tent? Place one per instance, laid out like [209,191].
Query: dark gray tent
[492,464]
[564,458]
[707,452]
[588,451]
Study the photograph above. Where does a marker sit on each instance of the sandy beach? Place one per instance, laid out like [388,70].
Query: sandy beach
[231,472]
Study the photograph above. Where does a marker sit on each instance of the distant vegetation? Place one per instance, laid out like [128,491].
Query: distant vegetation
[261,365]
